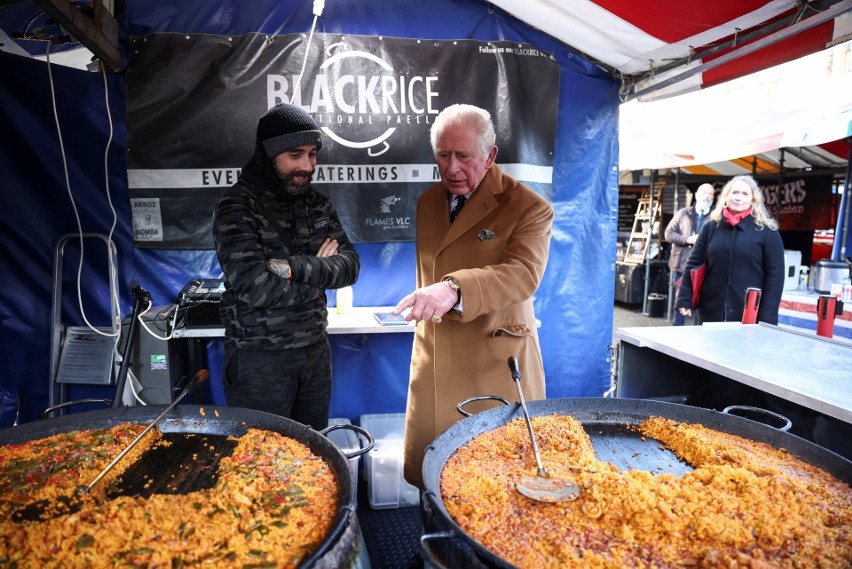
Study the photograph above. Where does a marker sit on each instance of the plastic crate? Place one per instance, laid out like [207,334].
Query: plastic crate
[346,440]
[386,487]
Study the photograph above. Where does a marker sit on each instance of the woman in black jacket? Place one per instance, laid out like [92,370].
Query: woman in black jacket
[742,248]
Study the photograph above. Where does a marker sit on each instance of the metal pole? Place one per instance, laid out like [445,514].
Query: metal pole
[648,244]
[777,212]
[845,201]
[675,209]
[140,298]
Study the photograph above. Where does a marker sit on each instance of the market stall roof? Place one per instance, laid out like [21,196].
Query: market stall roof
[666,48]
[797,106]
[657,49]
[831,156]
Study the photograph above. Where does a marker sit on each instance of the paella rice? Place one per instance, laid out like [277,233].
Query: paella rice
[744,504]
[271,505]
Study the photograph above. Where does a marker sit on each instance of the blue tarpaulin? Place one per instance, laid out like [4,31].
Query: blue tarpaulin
[574,302]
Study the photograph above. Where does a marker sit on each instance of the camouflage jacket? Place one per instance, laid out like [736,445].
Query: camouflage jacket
[261,310]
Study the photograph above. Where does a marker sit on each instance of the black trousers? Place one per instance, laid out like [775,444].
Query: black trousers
[294,383]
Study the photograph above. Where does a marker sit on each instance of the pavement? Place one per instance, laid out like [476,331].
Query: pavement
[631,316]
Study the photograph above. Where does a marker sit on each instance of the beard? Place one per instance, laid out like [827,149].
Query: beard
[295,188]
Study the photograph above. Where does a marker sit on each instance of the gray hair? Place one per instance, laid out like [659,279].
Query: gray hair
[469,116]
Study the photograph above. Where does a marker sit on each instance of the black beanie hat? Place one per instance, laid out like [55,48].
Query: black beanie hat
[286,126]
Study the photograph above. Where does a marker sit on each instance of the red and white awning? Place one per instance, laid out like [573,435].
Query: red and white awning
[667,48]
[832,155]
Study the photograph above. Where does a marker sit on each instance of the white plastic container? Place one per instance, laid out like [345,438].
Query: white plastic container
[792,265]
[386,487]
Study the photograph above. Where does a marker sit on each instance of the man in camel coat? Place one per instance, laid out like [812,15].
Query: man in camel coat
[477,270]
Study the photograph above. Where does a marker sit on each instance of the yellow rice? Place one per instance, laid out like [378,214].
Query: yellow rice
[745,504]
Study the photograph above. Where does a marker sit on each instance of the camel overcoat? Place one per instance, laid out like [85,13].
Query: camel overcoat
[497,250]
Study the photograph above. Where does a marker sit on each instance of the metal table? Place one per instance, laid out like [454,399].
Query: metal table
[806,375]
[196,348]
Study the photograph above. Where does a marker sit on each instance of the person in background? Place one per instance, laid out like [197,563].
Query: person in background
[477,270]
[742,248]
[682,231]
[280,245]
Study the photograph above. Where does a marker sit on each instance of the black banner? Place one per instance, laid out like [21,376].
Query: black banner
[800,204]
[193,102]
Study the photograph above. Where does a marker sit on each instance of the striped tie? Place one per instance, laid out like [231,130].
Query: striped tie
[456,210]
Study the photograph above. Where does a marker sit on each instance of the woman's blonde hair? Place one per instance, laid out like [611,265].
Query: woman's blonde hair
[758,206]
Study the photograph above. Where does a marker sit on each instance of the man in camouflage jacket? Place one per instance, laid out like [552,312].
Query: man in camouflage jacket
[280,245]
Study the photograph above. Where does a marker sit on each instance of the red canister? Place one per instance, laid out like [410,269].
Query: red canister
[828,306]
[751,304]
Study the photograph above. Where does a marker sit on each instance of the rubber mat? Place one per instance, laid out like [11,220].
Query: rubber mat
[392,536]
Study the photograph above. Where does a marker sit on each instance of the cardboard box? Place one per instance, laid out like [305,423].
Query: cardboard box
[386,487]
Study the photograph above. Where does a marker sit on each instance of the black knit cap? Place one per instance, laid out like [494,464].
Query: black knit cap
[286,126]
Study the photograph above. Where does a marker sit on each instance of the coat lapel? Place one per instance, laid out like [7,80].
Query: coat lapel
[480,205]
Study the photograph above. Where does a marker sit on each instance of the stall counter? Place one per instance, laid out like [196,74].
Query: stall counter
[360,321]
[807,376]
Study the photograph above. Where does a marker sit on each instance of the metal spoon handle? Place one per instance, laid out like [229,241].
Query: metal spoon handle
[516,376]
[197,380]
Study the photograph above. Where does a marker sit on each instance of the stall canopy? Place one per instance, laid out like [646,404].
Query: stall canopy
[667,48]
[656,49]
[831,156]
[797,106]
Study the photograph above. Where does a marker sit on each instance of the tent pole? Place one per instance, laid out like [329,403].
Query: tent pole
[675,209]
[648,245]
[777,208]
[845,203]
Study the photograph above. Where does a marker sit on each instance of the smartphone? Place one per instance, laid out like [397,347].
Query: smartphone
[390,319]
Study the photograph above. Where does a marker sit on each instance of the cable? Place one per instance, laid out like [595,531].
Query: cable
[151,332]
[319,5]
[30,23]
[161,319]
[114,307]
[113,272]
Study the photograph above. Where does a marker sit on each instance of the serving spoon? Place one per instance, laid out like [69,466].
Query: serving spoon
[542,487]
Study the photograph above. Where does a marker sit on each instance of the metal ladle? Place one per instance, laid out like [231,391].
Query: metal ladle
[542,488]
[197,380]
[60,505]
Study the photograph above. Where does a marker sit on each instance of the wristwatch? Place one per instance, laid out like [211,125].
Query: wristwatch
[453,284]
